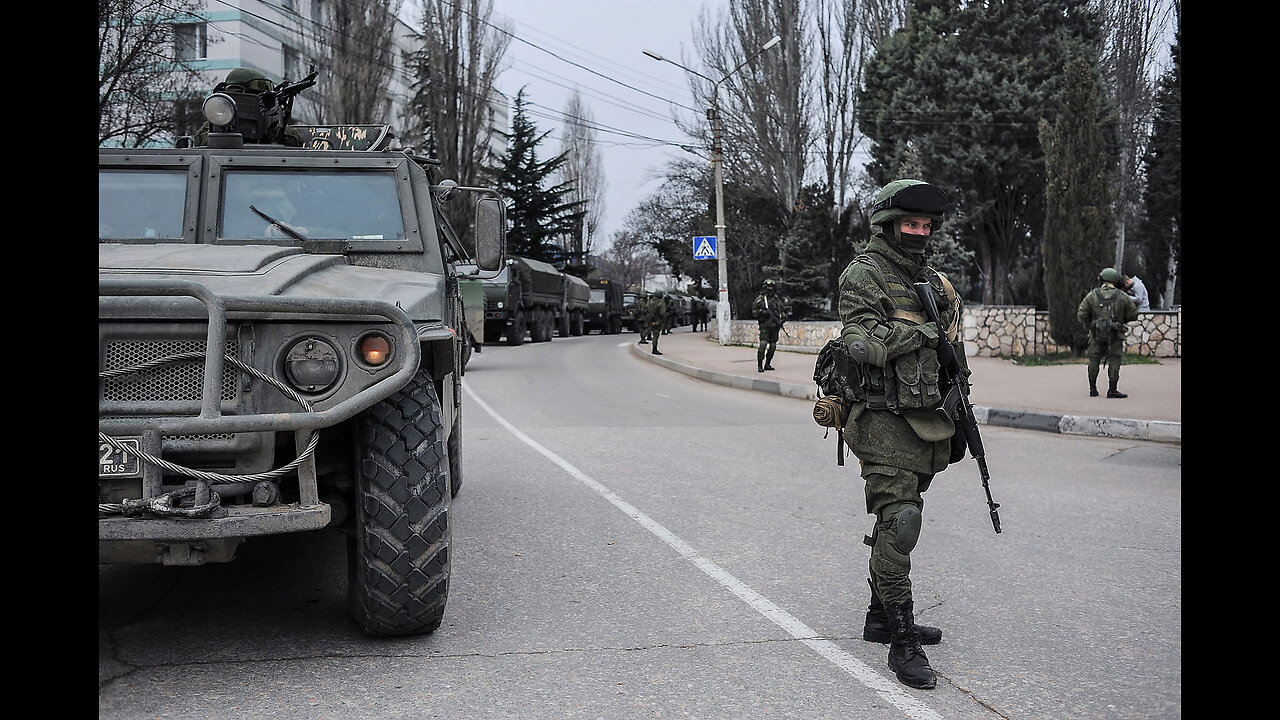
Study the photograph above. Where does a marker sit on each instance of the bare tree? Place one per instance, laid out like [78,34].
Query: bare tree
[630,259]
[847,34]
[452,110]
[361,59]
[140,71]
[1132,43]
[764,102]
[583,171]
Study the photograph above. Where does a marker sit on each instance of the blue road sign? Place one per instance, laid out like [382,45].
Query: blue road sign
[704,247]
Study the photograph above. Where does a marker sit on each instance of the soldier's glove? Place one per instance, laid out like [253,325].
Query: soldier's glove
[930,333]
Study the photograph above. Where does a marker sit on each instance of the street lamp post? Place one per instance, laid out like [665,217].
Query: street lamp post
[717,157]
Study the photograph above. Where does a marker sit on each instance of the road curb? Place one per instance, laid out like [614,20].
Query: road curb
[1123,428]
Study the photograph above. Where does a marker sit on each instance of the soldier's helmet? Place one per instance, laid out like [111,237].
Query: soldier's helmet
[909,197]
[1110,275]
[245,80]
[770,284]
[659,293]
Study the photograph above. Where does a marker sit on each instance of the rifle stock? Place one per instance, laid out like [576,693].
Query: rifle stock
[955,402]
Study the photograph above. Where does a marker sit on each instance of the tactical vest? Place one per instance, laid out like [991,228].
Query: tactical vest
[909,381]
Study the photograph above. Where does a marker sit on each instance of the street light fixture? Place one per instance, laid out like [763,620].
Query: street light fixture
[717,157]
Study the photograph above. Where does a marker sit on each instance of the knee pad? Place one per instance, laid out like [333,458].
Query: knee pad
[899,532]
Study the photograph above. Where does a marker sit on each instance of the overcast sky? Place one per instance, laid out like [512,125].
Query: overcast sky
[594,47]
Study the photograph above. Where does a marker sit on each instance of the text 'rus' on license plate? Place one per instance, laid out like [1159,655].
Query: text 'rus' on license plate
[113,462]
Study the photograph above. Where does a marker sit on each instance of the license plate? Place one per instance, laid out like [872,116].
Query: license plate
[113,462]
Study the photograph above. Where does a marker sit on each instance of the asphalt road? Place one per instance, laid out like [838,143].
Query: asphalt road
[632,543]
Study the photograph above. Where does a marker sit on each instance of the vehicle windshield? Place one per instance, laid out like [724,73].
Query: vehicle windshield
[499,279]
[258,205]
[597,296]
[141,204]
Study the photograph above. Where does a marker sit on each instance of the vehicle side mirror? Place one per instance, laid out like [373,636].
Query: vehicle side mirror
[490,233]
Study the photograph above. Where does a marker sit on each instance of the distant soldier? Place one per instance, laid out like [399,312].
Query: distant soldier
[701,314]
[770,311]
[642,317]
[668,302]
[1106,312]
[657,317]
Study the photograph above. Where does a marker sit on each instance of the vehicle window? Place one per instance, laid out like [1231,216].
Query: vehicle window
[337,205]
[141,204]
[499,279]
[597,296]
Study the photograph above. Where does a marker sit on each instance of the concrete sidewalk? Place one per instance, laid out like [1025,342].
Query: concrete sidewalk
[1052,398]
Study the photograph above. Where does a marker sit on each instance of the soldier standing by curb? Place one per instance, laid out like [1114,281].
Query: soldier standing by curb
[642,317]
[770,311]
[656,317]
[1106,312]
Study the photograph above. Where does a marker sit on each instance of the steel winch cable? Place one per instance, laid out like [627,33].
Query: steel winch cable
[166,504]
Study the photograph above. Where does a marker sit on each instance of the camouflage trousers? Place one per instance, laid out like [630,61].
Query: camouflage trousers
[1111,352]
[888,488]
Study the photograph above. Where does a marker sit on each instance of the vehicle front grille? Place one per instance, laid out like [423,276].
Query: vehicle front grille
[181,381]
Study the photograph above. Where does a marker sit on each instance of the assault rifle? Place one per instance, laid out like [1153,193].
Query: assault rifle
[955,400]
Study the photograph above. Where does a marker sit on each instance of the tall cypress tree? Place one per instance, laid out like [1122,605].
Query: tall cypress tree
[1161,231]
[538,214]
[1079,224]
[802,268]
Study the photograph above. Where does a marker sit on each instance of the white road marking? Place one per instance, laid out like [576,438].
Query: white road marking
[888,690]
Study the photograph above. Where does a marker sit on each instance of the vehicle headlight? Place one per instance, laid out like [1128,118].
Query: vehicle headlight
[312,365]
[374,349]
[219,109]
[499,304]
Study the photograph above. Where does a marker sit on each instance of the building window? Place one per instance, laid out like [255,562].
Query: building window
[291,63]
[190,41]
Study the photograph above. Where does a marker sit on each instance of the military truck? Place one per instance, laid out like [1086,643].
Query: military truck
[280,342]
[577,301]
[630,314]
[471,289]
[605,311]
[527,296]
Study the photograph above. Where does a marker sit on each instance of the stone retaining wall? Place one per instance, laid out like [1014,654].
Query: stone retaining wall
[989,330]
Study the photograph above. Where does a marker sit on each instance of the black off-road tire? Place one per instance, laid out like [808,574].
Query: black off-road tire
[563,328]
[515,331]
[398,558]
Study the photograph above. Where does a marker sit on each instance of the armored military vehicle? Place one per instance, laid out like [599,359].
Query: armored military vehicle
[280,344]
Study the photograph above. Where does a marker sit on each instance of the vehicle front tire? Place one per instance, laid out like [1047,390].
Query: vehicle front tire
[398,558]
[515,331]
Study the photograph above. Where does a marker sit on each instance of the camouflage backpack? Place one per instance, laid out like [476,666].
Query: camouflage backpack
[1105,328]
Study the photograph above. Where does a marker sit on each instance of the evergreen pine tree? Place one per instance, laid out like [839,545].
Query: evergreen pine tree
[802,268]
[1079,225]
[537,213]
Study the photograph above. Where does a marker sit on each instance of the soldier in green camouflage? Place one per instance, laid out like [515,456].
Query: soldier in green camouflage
[899,438]
[1105,312]
[770,311]
[642,316]
[656,317]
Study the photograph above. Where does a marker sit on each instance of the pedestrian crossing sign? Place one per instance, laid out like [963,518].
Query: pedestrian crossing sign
[704,247]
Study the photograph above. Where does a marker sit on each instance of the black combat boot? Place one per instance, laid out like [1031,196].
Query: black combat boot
[768,360]
[878,629]
[1112,392]
[906,657]
[1093,389]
